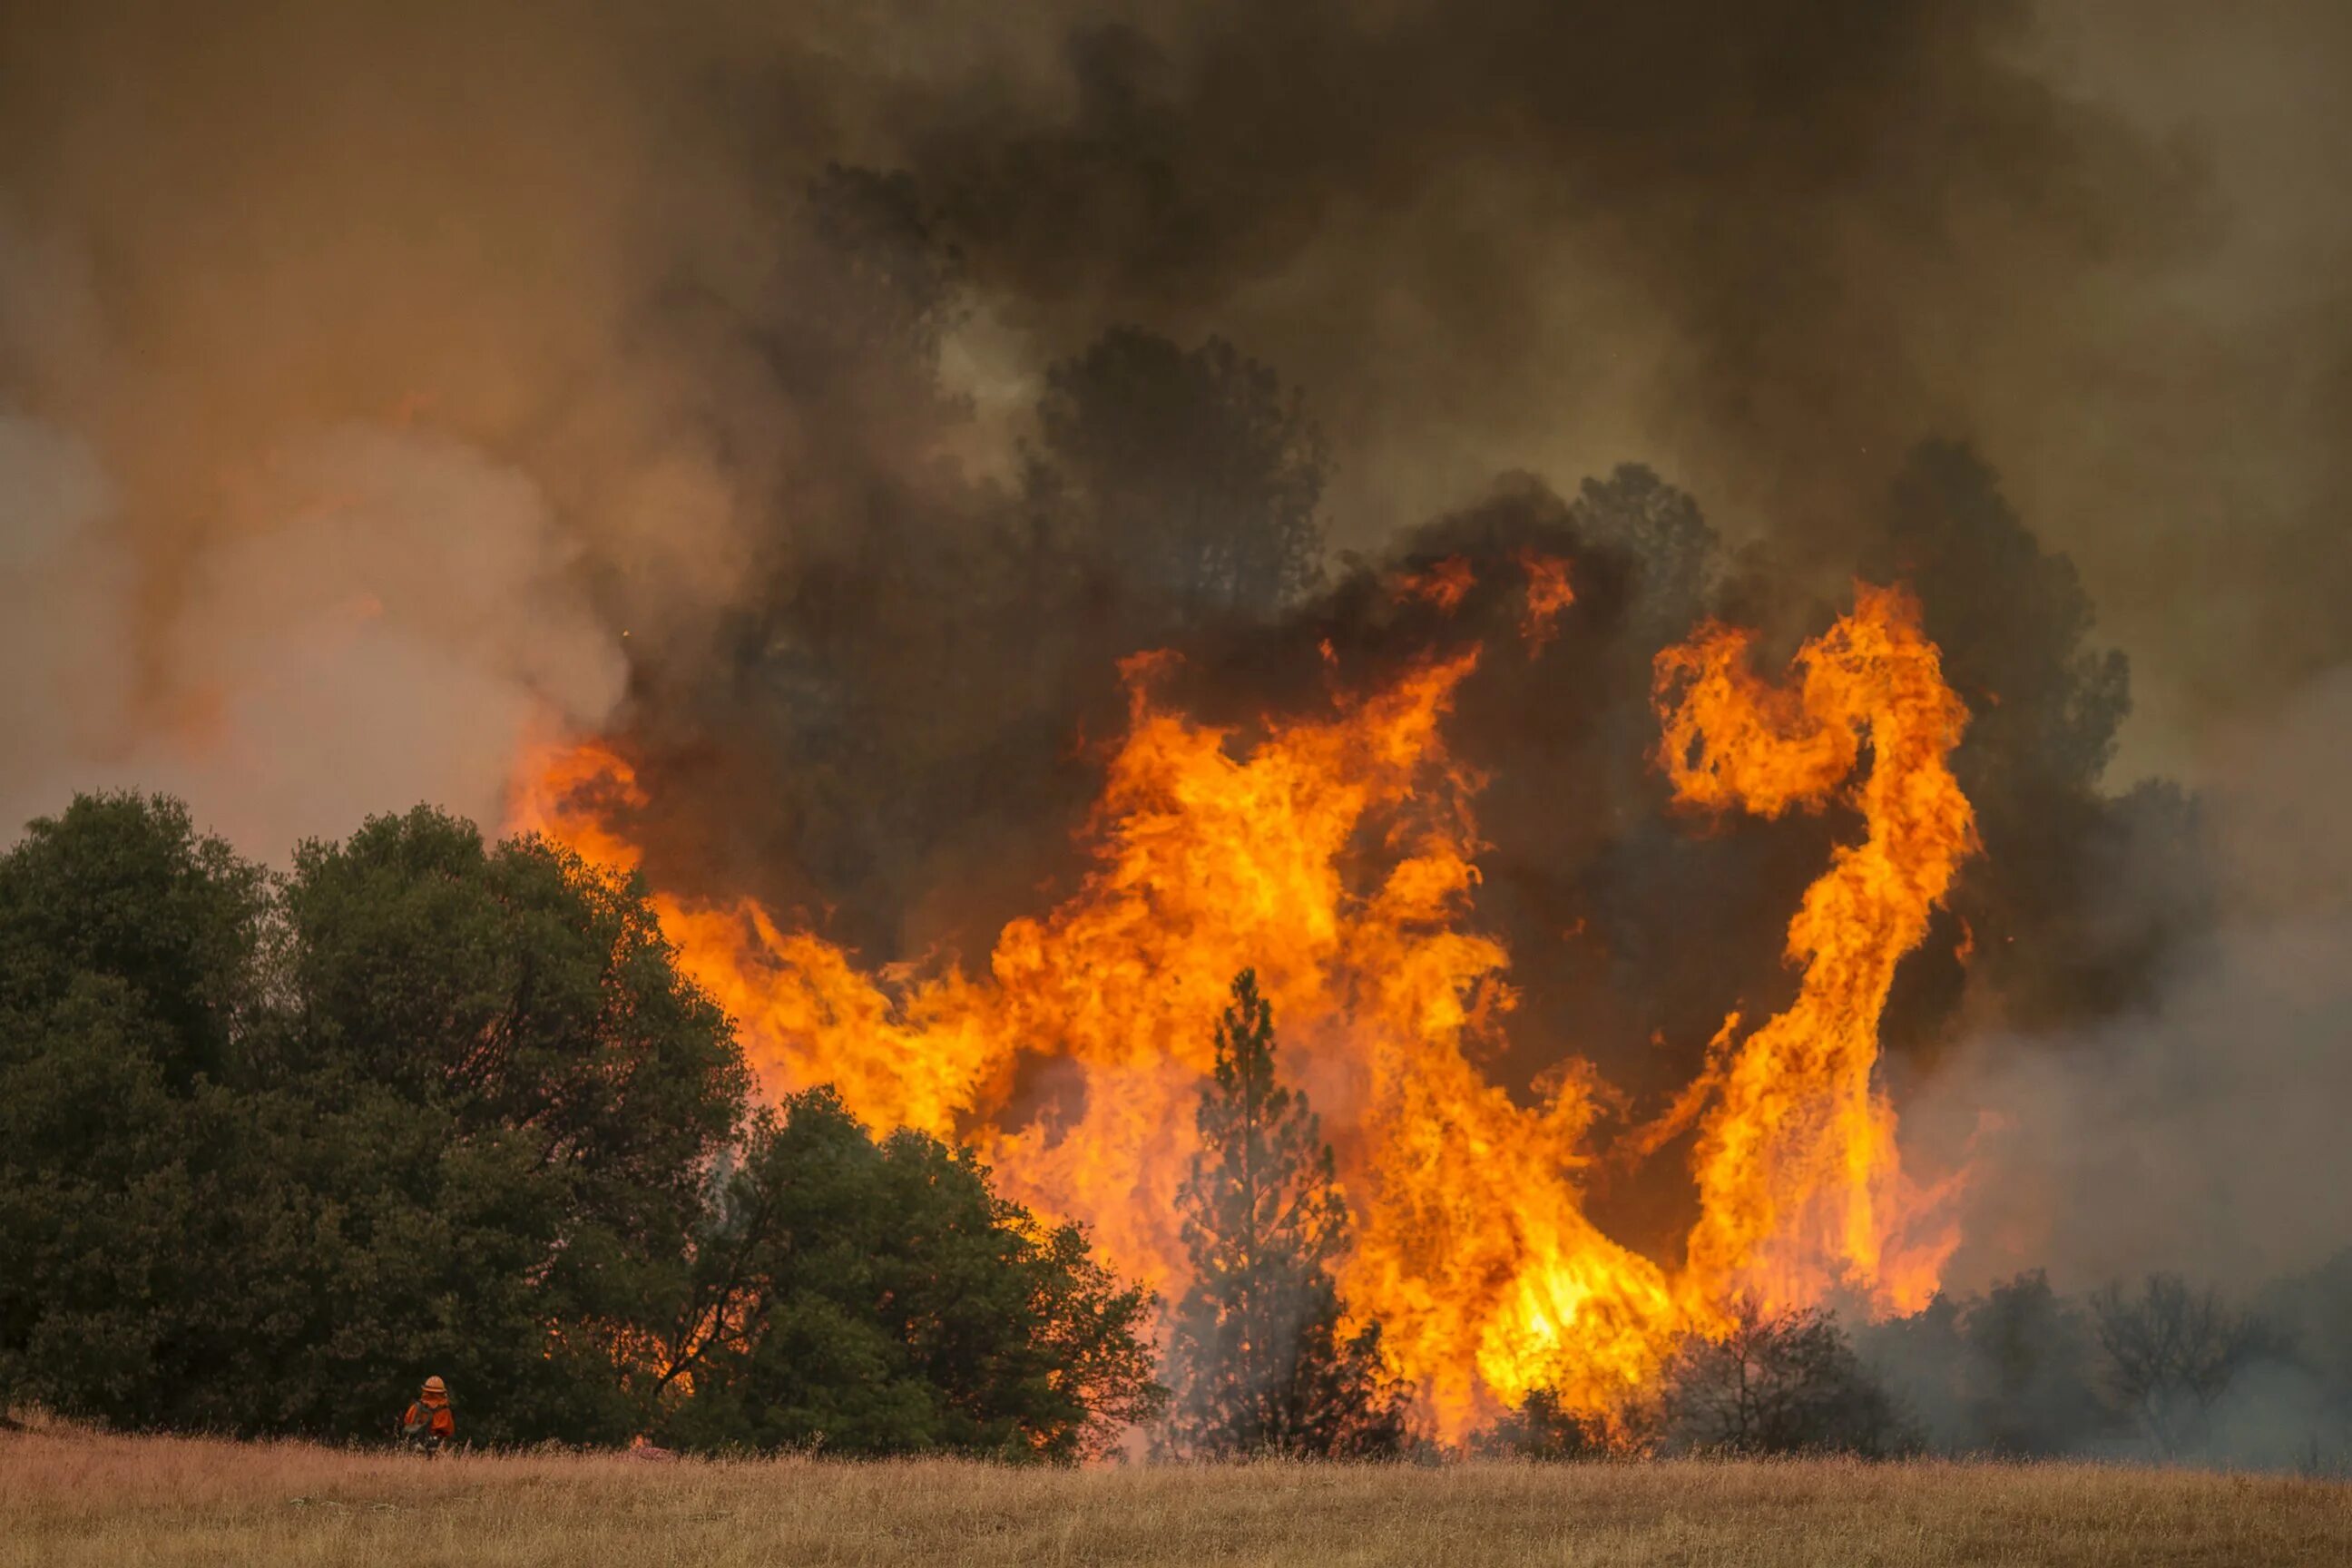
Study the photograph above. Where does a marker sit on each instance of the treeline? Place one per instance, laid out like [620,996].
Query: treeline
[2162,1371]
[274,1147]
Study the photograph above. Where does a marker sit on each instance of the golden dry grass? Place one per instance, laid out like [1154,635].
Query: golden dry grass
[69,1499]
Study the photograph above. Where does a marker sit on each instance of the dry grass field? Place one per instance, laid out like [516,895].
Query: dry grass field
[69,1499]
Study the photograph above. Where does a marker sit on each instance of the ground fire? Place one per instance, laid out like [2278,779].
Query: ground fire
[1214,852]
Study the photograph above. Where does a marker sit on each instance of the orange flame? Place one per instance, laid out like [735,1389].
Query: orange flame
[1444,584]
[1471,1247]
[1800,1186]
[1548,594]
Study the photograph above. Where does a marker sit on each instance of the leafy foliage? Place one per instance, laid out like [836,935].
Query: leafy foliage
[273,1150]
[504,1095]
[877,1298]
[125,988]
[1258,1355]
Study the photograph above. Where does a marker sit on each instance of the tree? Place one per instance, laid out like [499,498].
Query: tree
[2012,620]
[1778,1382]
[517,987]
[124,886]
[2079,897]
[2032,1393]
[2170,1354]
[1673,547]
[1192,473]
[1257,1354]
[877,1298]
[1541,1427]
[508,1099]
[270,1153]
[273,1150]
[127,996]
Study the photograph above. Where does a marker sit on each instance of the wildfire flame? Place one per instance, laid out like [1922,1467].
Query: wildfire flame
[1471,1244]
[1444,584]
[1548,594]
[1798,1182]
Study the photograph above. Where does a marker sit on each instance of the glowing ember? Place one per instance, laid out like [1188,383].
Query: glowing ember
[1444,584]
[1471,1247]
[1548,594]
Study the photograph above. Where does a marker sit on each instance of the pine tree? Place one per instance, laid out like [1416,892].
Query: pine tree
[1257,1354]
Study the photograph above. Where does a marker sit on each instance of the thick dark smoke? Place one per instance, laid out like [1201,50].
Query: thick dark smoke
[1758,199]
[821,400]
[1764,245]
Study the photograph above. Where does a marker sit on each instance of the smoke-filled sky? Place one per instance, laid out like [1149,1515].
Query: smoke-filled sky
[383,386]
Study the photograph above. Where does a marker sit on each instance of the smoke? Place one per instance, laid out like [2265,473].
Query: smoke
[60,597]
[1748,202]
[1764,247]
[230,588]
[392,621]
[2197,1133]
[330,321]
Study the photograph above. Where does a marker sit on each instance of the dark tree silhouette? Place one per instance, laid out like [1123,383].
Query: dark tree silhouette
[1257,1354]
[2080,896]
[2032,1392]
[1778,1382]
[1194,475]
[2171,1352]
[1672,548]
[1541,1427]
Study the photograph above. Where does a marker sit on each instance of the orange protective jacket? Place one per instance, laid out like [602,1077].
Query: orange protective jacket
[437,1413]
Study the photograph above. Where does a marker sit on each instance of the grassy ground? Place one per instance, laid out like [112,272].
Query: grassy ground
[68,1498]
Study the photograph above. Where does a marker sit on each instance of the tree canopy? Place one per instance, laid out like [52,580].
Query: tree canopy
[1781,1381]
[1192,471]
[273,1148]
[871,1297]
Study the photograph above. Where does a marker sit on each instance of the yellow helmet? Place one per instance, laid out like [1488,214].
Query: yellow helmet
[435,1386]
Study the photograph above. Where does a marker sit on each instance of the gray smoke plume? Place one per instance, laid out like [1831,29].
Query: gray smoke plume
[2195,1131]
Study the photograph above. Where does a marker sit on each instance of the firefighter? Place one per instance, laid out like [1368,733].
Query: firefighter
[428,1423]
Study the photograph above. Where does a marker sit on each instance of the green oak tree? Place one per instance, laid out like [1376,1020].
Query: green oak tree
[275,1148]
[871,1298]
